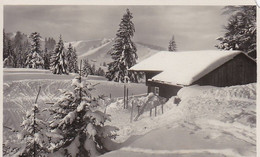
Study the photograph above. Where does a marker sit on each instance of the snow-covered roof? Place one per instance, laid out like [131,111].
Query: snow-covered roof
[184,68]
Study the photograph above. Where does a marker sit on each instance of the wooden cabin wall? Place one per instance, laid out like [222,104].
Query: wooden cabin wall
[240,70]
[149,75]
[165,90]
[168,91]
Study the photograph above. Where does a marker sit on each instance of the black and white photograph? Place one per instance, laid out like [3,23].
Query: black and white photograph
[129,80]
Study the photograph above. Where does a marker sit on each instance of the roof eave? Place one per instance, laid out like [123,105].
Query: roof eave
[145,70]
[165,82]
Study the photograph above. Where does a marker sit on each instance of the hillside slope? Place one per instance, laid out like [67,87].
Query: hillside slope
[96,51]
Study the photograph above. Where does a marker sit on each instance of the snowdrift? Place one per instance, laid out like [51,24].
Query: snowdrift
[229,109]
[208,121]
[228,104]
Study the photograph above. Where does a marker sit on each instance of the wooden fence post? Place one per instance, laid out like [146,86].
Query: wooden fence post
[162,108]
[155,112]
[132,111]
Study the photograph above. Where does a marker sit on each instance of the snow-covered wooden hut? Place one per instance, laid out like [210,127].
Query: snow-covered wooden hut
[167,72]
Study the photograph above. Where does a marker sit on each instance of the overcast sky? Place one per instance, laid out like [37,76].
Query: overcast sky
[194,27]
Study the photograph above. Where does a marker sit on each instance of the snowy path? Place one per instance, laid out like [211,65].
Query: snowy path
[211,122]
[183,141]
[225,152]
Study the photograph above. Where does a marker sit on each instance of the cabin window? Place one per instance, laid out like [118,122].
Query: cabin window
[156,90]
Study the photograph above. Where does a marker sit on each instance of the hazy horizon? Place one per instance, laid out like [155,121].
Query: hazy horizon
[194,27]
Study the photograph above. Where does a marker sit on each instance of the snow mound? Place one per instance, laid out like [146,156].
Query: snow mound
[228,104]
[225,109]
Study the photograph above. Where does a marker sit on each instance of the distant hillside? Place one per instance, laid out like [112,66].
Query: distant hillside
[155,47]
[96,51]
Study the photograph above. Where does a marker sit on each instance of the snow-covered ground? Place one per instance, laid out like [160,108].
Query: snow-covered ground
[209,121]
[20,88]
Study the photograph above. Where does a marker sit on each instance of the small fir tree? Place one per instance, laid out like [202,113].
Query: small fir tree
[58,59]
[33,135]
[80,123]
[172,45]
[123,52]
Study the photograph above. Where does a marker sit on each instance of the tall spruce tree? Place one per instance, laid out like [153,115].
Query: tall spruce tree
[9,60]
[72,59]
[18,39]
[58,59]
[46,58]
[172,45]
[5,53]
[36,43]
[123,52]
[34,59]
[20,56]
[240,30]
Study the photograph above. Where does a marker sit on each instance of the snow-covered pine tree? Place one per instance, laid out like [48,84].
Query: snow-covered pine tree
[5,43]
[240,30]
[18,39]
[36,43]
[9,60]
[46,58]
[33,136]
[72,59]
[100,72]
[50,44]
[19,53]
[80,123]
[123,52]
[58,59]
[172,45]
[34,59]
[87,69]
[93,67]
[69,57]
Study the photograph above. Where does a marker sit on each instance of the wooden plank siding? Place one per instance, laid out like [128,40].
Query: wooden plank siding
[165,90]
[239,70]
